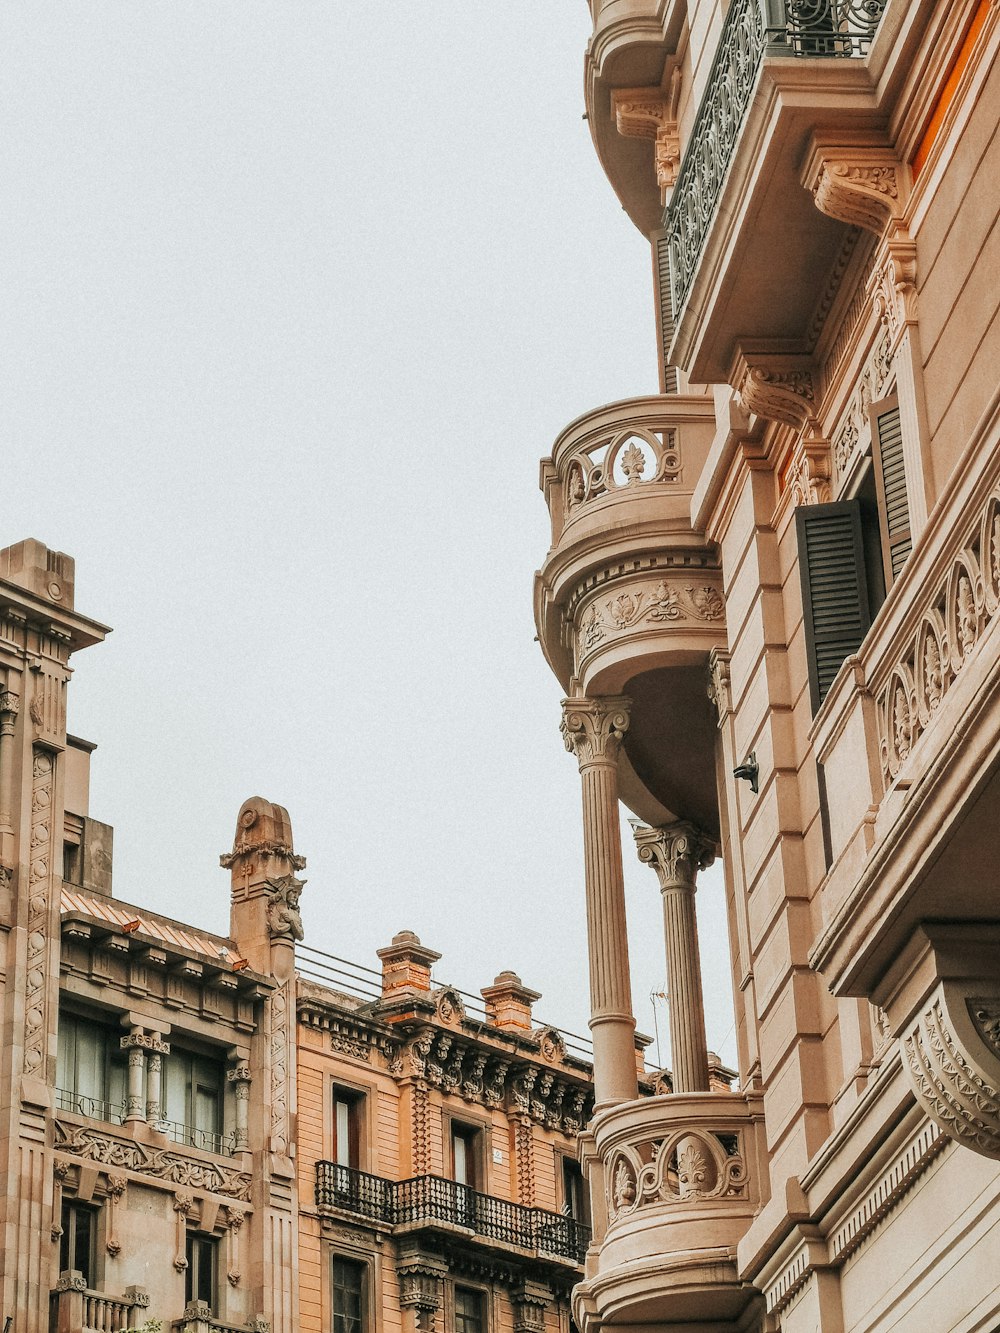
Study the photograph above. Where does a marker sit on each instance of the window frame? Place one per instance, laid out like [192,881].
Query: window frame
[483,1296]
[368,1264]
[568,1161]
[193,1134]
[195,1243]
[72,1209]
[356,1099]
[475,1133]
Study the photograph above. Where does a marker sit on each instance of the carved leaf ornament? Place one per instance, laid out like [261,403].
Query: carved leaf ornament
[625,460]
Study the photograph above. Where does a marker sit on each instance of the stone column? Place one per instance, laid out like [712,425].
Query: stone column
[135,1044]
[9,707]
[158,1048]
[592,730]
[677,852]
[240,1078]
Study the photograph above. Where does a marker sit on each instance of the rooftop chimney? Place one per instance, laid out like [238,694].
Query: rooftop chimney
[406,964]
[508,1003]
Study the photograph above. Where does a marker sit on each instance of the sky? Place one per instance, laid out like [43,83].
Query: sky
[295,297]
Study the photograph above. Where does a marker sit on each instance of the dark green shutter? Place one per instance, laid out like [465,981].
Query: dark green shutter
[834,588]
[664,311]
[890,480]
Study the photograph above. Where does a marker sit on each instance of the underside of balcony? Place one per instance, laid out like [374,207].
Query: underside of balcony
[629,599]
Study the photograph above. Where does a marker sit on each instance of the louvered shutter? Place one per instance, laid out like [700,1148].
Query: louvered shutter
[890,481]
[834,588]
[664,311]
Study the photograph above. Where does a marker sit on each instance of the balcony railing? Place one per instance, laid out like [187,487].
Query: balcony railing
[810,28]
[427,1199]
[74,1306]
[191,1136]
[94,1108]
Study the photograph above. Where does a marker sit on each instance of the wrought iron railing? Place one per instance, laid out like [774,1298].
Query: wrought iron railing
[208,1140]
[436,1199]
[839,28]
[94,1108]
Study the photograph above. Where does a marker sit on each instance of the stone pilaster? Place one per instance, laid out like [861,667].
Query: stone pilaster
[677,852]
[593,730]
[240,1078]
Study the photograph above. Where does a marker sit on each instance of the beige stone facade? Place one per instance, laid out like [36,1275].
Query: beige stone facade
[771,598]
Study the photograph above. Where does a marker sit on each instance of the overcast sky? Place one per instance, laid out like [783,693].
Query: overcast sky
[295,297]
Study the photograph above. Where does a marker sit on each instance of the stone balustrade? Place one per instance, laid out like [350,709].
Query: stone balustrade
[75,1308]
[198,1318]
[682,1177]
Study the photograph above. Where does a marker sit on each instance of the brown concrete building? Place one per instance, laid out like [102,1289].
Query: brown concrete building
[198,1132]
[771,598]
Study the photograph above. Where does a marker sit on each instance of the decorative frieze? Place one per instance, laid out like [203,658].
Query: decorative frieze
[167,1165]
[279,1068]
[39,888]
[958,611]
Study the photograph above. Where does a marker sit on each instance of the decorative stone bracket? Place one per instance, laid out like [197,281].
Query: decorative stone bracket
[776,386]
[866,185]
[651,113]
[946,1013]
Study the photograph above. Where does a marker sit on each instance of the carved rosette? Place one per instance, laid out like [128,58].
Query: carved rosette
[593,729]
[952,1055]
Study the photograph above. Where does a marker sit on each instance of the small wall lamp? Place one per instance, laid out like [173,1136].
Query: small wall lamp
[749,771]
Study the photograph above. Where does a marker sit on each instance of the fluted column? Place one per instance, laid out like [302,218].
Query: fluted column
[677,852]
[592,730]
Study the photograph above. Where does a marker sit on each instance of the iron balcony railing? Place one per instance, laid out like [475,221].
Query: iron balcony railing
[436,1199]
[94,1108]
[752,28]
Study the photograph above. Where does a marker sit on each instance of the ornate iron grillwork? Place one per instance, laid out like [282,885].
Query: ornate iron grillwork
[431,1199]
[752,27]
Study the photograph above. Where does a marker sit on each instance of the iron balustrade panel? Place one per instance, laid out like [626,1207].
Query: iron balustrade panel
[839,28]
[355,1191]
[423,1199]
[94,1108]
[829,27]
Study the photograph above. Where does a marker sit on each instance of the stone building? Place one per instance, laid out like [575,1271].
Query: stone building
[771,598]
[196,1133]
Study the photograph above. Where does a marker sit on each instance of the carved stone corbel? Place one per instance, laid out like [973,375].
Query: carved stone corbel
[810,472]
[421,1278]
[651,113]
[775,386]
[950,1038]
[863,185]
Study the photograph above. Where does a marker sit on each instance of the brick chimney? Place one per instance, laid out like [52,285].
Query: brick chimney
[508,1003]
[406,965]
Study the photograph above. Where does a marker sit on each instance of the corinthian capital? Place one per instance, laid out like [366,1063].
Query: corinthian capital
[9,702]
[593,729]
[676,852]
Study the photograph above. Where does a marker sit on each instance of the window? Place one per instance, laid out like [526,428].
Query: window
[574,1193]
[466,1155]
[469,1311]
[835,603]
[202,1254]
[78,1242]
[348,1112]
[192,1099]
[90,1069]
[349,1295]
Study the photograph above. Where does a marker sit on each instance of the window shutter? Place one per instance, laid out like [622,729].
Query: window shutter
[834,589]
[664,311]
[890,480]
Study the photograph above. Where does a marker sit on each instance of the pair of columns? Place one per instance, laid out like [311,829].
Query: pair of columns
[593,730]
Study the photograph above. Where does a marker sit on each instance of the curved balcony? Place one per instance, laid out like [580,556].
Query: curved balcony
[630,47]
[682,1177]
[629,599]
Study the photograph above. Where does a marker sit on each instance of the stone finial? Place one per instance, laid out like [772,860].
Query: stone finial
[508,1003]
[263,831]
[265,918]
[406,964]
